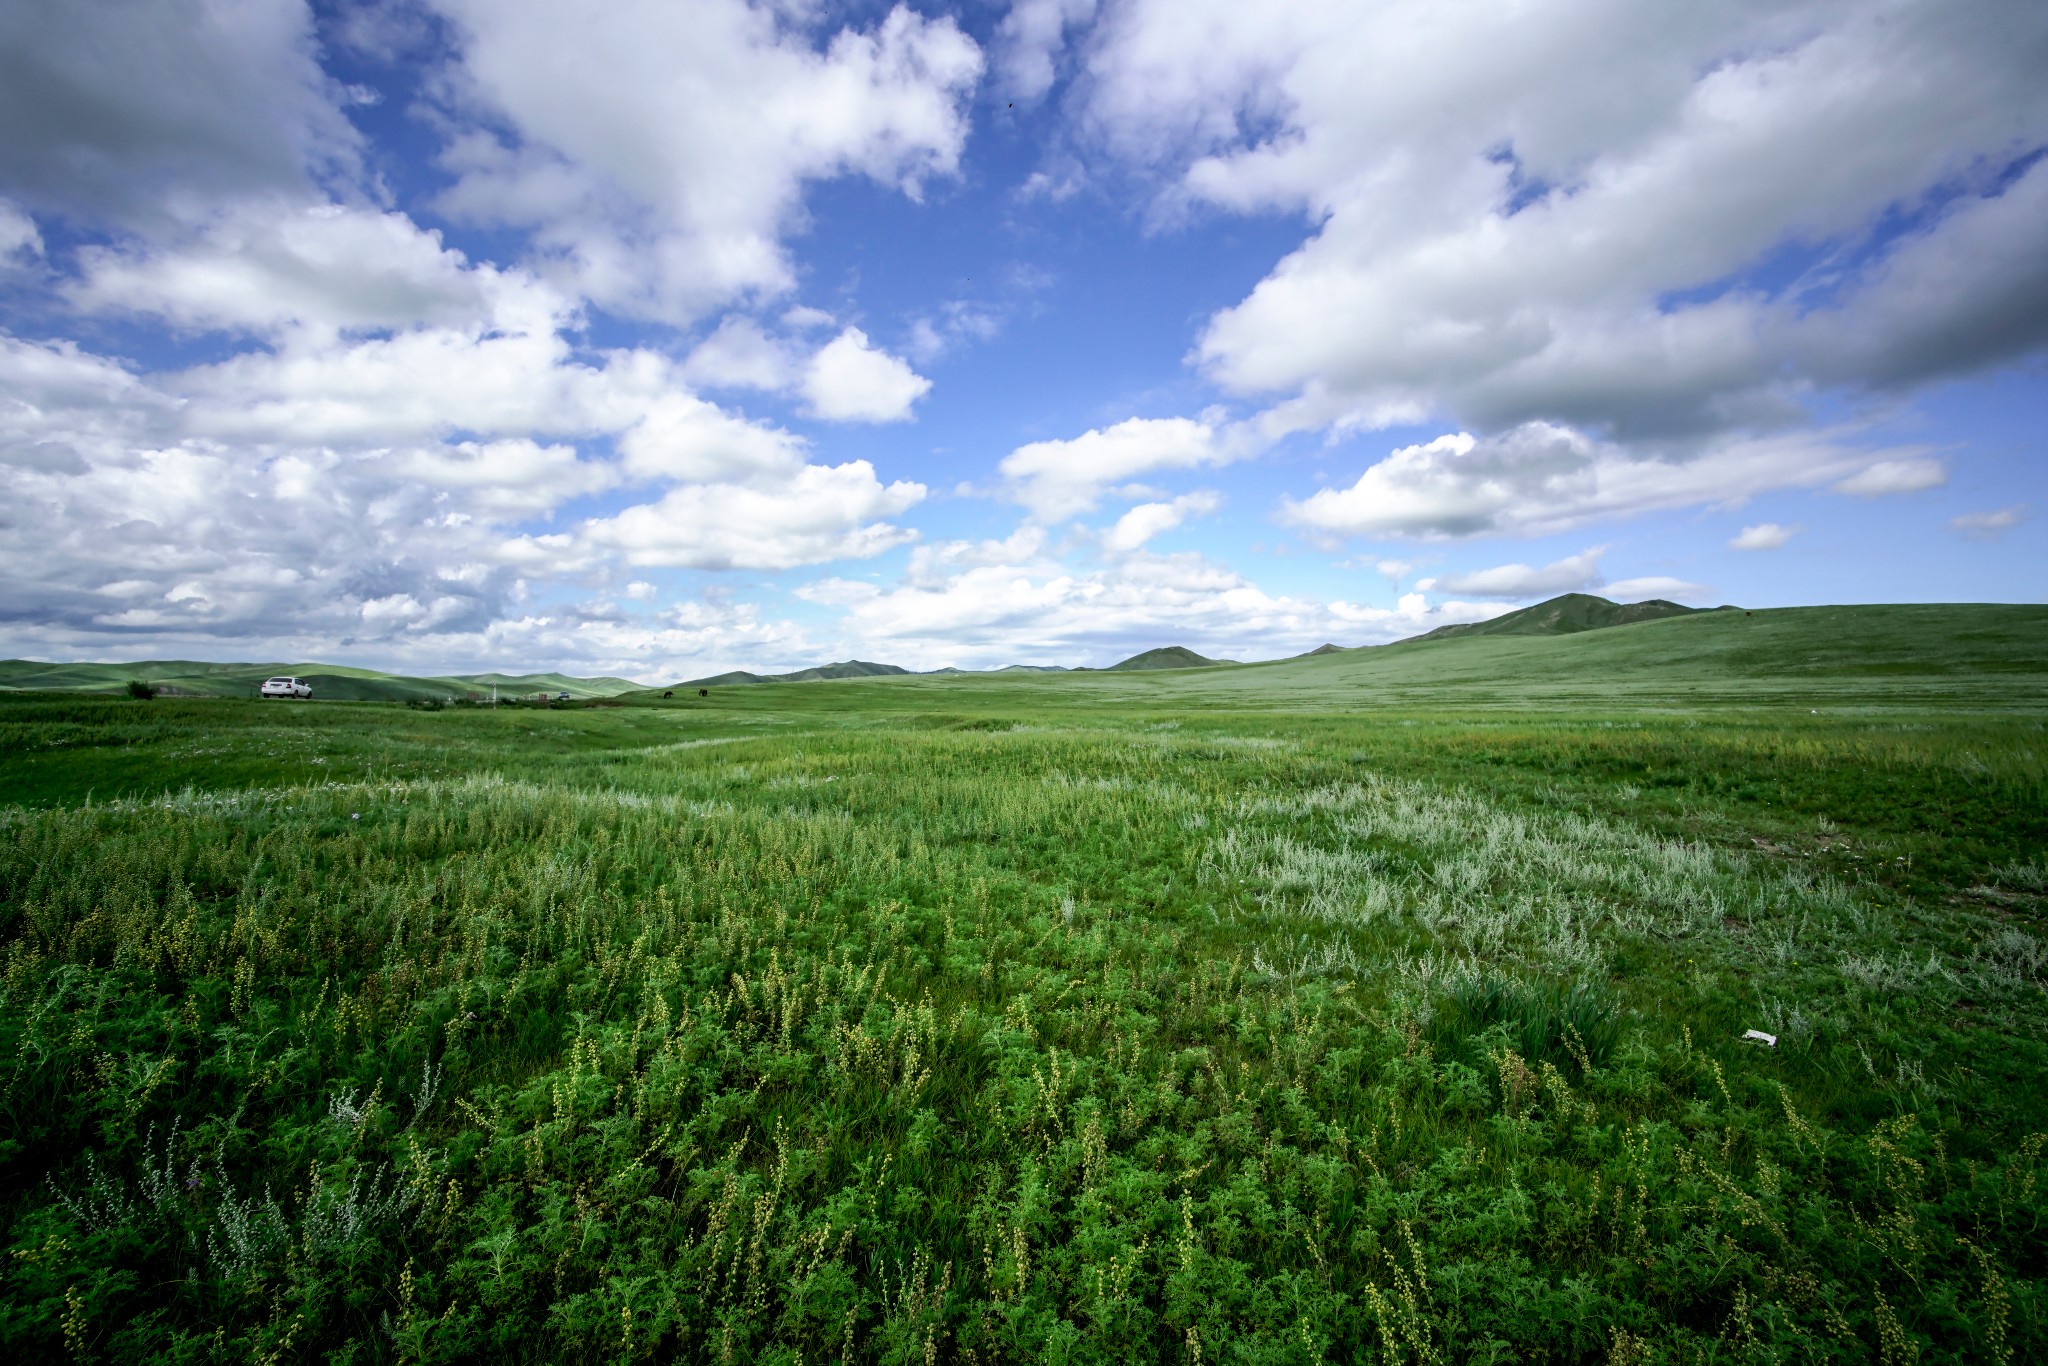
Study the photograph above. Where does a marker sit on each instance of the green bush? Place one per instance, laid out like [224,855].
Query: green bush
[139,690]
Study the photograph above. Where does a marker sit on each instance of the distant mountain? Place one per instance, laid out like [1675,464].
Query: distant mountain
[1322,650]
[851,668]
[1167,657]
[575,687]
[1033,669]
[331,682]
[1566,615]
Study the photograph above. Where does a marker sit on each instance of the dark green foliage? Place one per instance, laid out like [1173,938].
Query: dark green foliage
[1553,1022]
[140,690]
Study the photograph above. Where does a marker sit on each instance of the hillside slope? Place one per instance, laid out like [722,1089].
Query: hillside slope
[1166,657]
[1964,655]
[331,682]
[1566,614]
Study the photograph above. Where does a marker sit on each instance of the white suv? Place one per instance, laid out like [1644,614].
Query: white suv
[285,687]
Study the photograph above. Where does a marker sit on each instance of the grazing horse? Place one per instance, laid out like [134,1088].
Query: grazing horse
[703,692]
[667,695]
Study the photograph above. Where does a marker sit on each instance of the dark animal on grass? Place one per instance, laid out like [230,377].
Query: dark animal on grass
[667,695]
[703,692]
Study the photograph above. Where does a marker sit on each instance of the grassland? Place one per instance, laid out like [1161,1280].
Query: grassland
[331,682]
[1376,1006]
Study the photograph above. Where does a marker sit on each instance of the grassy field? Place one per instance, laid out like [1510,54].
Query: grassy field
[1377,1006]
[331,682]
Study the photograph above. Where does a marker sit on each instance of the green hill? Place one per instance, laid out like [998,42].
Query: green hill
[550,682]
[1566,615]
[1979,656]
[331,682]
[850,668]
[1166,657]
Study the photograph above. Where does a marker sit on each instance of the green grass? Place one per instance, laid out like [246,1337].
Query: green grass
[1356,1008]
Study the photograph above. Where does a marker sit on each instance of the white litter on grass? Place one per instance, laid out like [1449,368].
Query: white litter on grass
[1767,1040]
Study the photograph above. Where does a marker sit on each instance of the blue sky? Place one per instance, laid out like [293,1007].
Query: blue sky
[661,339]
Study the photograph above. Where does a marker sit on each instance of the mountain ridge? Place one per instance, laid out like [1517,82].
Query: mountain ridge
[1565,614]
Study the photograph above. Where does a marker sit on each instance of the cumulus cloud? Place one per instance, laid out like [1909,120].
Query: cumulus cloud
[1894,476]
[741,355]
[1763,536]
[849,380]
[1058,479]
[264,265]
[517,478]
[1541,478]
[823,512]
[1147,520]
[142,114]
[982,611]
[1657,586]
[1029,41]
[685,438]
[1989,526]
[1558,216]
[325,490]
[1572,574]
[658,156]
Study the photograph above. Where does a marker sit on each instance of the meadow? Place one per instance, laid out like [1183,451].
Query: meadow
[1385,1006]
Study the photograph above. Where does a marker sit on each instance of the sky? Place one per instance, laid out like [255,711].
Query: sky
[653,339]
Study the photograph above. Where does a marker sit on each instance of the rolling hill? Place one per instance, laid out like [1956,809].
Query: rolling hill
[1945,655]
[849,668]
[1166,657]
[1567,615]
[331,682]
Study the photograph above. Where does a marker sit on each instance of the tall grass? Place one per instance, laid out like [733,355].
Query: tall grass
[1082,1040]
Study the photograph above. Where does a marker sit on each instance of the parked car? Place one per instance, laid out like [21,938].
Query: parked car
[297,688]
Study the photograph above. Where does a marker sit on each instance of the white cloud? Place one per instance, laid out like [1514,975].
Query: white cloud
[850,381]
[1546,216]
[823,512]
[1541,478]
[641,591]
[686,438]
[740,355]
[1988,526]
[19,240]
[1763,536]
[956,321]
[1572,574]
[511,479]
[261,266]
[1147,520]
[990,614]
[1029,41]
[931,564]
[313,493]
[1657,586]
[1894,476]
[803,318]
[658,155]
[1058,479]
